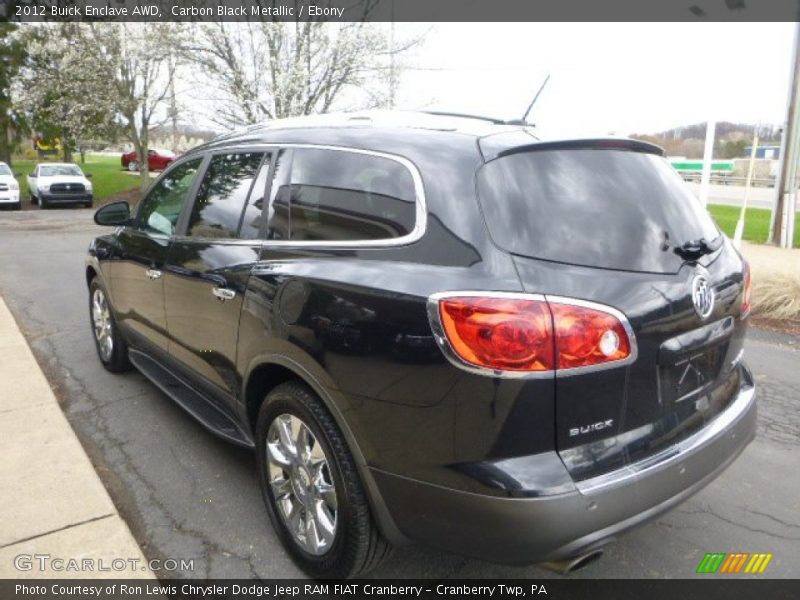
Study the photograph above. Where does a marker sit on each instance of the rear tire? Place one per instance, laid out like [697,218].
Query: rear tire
[133,166]
[111,348]
[351,542]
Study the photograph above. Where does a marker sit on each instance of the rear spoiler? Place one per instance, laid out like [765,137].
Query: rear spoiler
[628,144]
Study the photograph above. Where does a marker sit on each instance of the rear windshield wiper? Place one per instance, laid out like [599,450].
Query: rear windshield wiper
[694,249]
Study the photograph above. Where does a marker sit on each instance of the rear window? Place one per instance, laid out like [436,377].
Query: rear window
[614,209]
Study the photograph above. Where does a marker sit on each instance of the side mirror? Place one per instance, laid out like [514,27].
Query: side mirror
[88,175]
[17,175]
[33,175]
[116,213]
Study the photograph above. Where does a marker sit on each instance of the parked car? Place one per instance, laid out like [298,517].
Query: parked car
[438,330]
[59,183]
[157,160]
[9,188]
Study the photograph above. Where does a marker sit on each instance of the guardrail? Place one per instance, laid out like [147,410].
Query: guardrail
[720,179]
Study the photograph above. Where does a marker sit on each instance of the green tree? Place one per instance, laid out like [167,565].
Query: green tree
[66,89]
[12,57]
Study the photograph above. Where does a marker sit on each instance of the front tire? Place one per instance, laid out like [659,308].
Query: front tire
[133,166]
[111,348]
[312,489]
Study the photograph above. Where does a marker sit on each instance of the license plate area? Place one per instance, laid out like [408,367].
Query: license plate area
[690,375]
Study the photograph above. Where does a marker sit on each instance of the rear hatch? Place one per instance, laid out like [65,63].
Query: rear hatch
[608,222]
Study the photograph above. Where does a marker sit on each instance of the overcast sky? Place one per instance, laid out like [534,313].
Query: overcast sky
[605,78]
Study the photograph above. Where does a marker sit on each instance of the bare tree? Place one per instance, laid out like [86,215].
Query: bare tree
[258,71]
[143,72]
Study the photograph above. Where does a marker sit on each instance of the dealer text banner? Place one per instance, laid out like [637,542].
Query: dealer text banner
[395,10]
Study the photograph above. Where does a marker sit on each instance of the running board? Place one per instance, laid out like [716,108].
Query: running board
[190,400]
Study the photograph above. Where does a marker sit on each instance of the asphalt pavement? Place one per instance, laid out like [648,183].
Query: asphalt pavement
[187,495]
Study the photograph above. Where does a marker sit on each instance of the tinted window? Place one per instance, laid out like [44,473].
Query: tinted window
[341,196]
[600,208]
[251,220]
[4,170]
[162,207]
[222,195]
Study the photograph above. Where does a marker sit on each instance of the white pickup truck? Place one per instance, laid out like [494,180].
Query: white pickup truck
[9,188]
[59,183]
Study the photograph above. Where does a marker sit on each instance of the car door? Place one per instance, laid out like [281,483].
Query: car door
[137,287]
[208,267]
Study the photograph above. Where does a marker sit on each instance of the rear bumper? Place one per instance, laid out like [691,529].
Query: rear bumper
[527,530]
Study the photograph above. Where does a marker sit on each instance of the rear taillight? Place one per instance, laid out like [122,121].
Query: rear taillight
[519,333]
[587,336]
[748,288]
[501,334]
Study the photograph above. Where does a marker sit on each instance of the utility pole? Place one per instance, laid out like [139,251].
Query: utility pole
[783,204]
[708,155]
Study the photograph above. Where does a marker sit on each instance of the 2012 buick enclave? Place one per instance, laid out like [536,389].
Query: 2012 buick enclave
[436,329]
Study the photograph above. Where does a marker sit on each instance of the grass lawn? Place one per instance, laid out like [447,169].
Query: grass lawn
[108,176]
[756,222]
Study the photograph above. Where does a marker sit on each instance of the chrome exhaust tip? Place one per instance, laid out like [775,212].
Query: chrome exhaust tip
[569,565]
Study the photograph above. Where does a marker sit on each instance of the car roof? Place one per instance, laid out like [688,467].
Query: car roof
[407,133]
[57,164]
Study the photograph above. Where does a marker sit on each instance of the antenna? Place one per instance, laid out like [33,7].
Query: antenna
[523,120]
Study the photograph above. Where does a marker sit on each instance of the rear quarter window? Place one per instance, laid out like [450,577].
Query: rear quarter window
[614,209]
[335,195]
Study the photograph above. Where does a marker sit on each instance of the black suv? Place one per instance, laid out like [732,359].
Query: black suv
[437,329]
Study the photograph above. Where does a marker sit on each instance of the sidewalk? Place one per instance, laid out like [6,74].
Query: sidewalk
[52,502]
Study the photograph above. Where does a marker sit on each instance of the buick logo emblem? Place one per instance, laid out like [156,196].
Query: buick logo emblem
[702,296]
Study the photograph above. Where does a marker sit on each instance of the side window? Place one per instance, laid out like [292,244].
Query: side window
[345,196]
[254,211]
[222,195]
[162,206]
[278,217]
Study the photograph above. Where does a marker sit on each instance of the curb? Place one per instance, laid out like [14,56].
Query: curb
[58,519]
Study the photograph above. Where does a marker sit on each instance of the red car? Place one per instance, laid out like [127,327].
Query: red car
[157,160]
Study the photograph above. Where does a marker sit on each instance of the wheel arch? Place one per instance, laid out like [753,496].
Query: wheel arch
[267,372]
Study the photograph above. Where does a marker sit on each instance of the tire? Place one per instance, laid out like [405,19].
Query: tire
[115,356]
[17,206]
[356,545]
[34,200]
[88,204]
[42,204]
[133,166]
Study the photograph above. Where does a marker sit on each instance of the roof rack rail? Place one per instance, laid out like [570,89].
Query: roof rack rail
[492,120]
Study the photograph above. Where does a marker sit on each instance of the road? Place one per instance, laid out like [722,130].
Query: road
[186,494]
[733,195]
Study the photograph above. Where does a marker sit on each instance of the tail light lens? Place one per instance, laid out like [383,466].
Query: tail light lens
[748,288]
[513,333]
[499,333]
[587,336]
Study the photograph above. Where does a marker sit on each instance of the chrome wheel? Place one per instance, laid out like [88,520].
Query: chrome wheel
[302,484]
[101,321]
[133,166]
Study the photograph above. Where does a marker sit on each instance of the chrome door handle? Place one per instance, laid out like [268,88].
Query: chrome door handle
[153,274]
[223,294]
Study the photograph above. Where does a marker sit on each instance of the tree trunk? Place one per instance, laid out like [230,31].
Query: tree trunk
[5,147]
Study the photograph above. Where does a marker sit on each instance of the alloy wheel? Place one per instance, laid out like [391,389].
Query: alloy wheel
[101,320]
[301,483]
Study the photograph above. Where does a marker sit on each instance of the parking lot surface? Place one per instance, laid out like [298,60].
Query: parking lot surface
[186,494]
